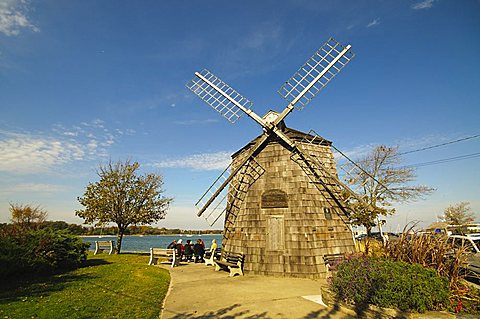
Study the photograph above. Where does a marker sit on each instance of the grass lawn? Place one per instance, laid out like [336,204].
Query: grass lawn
[116,286]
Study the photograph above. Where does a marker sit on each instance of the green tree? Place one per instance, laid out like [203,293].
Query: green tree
[123,197]
[27,216]
[390,183]
[458,214]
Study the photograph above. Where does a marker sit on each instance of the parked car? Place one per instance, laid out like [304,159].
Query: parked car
[472,244]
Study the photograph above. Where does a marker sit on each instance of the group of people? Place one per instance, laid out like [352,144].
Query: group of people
[191,251]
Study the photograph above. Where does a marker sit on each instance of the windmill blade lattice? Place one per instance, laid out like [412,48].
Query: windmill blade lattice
[219,95]
[237,192]
[352,174]
[237,189]
[348,170]
[218,206]
[322,179]
[315,74]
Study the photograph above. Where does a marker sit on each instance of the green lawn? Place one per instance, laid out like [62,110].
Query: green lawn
[117,286]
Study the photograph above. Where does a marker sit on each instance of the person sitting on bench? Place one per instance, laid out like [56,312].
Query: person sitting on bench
[188,250]
[199,251]
[172,245]
[179,248]
[213,247]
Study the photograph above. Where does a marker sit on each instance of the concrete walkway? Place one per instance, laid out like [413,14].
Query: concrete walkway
[197,291]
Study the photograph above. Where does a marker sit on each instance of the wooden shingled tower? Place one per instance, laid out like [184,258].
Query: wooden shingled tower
[286,224]
[283,201]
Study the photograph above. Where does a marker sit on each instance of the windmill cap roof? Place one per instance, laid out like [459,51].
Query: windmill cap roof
[294,135]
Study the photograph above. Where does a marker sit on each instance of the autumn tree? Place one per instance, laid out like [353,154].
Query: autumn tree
[27,216]
[124,197]
[458,214]
[380,183]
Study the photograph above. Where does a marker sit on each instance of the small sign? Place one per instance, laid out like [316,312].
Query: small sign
[274,198]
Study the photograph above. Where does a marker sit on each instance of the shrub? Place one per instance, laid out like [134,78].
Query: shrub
[429,250]
[385,283]
[433,251]
[43,250]
[58,249]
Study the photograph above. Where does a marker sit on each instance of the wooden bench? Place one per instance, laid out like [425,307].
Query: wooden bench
[210,258]
[156,253]
[231,261]
[100,246]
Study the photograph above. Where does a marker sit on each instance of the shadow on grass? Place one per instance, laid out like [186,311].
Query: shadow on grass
[40,286]
[94,262]
[20,286]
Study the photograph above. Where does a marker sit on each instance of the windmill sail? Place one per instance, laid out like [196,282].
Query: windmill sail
[237,188]
[270,210]
[216,207]
[315,74]
[325,182]
[354,177]
[216,193]
[305,84]
[219,95]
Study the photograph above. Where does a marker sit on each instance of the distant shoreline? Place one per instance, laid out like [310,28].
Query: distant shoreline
[160,235]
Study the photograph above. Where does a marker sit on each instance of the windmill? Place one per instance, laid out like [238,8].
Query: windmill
[284,203]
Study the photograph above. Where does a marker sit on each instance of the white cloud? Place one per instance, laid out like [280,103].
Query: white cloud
[36,187]
[203,162]
[92,146]
[354,153]
[373,23]
[13,17]
[109,139]
[98,123]
[24,154]
[426,4]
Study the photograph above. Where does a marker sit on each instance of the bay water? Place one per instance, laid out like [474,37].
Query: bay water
[142,244]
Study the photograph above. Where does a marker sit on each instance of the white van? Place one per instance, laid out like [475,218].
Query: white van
[472,243]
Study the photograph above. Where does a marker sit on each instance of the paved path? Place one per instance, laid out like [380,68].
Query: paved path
[197,291]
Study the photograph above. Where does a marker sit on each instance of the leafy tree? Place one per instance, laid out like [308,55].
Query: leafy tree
[458,214]
[123,197]
[390,183]
[61,225]
[27,216]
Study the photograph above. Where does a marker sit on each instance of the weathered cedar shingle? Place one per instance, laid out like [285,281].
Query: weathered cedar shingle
[306,231]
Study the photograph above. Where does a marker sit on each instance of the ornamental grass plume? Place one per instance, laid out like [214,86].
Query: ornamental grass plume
[433,251]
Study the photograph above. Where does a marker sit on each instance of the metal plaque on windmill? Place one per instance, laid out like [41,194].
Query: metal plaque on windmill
[281,195]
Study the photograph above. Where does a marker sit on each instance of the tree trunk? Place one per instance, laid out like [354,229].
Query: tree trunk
[121,231]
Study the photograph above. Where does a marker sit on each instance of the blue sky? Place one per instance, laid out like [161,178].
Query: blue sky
[82,82]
